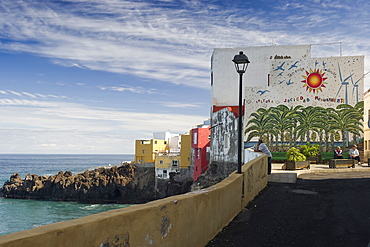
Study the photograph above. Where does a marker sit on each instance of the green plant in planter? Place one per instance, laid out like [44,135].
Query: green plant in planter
[293,154]
[309,150]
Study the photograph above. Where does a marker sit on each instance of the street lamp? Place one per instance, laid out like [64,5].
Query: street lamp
[241,62]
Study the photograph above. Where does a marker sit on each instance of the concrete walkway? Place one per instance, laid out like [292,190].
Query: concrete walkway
[323,207]
[278,175]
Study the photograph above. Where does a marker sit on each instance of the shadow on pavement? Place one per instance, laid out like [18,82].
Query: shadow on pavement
[331,209]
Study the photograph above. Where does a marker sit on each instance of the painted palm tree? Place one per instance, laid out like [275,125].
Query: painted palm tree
[293,132]
[276,123]
[273,138]
[327,127]
[323,127]
[309,119]
[358,111]
[332,135]
[282,119]
[259,124]
[346,120]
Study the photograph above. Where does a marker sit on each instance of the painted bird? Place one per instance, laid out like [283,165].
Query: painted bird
[280,67]
[262,92]
[293,65]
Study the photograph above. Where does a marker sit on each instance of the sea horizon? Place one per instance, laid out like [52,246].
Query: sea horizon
[23,214]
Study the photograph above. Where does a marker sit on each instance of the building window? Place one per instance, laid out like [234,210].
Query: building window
[195,138]
[161,162]
[198,153]
[365,145]
[174,163]
[143,151]
[155,142]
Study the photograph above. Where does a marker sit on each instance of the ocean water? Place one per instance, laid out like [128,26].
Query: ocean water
[20,214]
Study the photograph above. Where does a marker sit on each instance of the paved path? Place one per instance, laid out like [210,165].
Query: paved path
[279,175]
[321,209]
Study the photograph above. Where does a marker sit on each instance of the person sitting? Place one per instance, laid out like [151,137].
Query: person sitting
[355,154]
[338,153]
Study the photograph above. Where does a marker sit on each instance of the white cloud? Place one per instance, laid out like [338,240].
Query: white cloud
[138,40]
[57,125]
[179,105]
[124,88]
[29,94]
[15,93]
[23,102]
[32,95]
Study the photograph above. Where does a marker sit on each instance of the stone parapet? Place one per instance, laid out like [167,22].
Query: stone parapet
[190,219]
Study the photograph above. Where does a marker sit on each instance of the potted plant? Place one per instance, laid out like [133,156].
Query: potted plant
[311,152]
[295,160]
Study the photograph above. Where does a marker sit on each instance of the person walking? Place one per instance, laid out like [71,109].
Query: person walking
[261,147]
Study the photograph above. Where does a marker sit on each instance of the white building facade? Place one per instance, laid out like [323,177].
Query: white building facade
[285,75]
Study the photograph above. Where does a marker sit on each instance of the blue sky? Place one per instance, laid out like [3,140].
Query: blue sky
[93,76]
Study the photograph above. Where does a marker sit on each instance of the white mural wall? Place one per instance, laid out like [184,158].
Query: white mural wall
[225,79]
[287,75]
[325,82]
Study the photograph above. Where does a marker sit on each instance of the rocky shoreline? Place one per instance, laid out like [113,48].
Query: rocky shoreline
[118,184]
[126,183]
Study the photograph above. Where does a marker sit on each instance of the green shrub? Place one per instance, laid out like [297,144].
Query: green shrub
[309,150]
[293,154]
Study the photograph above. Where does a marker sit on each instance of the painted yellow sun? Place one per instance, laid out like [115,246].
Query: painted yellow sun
[314,80]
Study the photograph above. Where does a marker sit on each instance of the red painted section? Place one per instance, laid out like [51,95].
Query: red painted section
[200,145]
[234,109]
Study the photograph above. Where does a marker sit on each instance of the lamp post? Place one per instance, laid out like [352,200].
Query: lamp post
[241,63]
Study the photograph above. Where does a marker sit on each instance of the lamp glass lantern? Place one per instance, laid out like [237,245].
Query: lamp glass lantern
[241,62]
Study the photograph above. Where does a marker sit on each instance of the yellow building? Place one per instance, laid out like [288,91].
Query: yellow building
[185,152]
[146,150]
[166,163]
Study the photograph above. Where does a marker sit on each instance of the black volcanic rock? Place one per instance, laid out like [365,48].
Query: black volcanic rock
[119,184]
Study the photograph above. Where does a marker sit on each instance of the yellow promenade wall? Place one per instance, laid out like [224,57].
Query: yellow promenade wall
[191,219]
[255,178]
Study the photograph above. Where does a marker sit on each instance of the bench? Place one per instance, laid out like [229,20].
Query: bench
[278,156]
[334,163]
[326,156]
